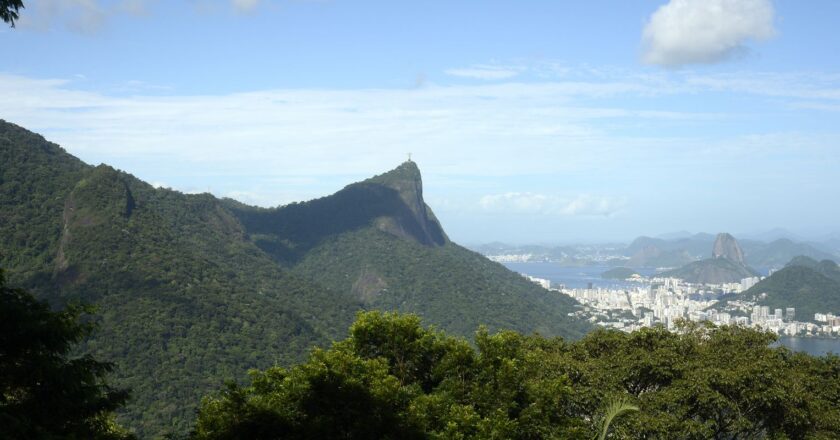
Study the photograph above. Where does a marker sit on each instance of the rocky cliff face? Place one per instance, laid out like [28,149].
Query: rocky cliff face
[727,264]
[418,222]
[391,202]
[727,247]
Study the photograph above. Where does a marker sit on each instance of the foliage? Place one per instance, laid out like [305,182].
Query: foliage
[45,393]
[35,178]
[9,10]
[191,292]
[615,409]
[448,285]
[185,299]
[707,383]
[391,378]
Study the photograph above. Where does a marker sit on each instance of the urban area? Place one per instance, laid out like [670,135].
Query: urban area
[665,301]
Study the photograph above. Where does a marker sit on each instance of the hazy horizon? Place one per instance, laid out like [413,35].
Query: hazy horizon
[551,123]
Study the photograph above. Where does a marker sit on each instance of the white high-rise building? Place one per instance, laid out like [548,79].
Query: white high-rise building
[748,282]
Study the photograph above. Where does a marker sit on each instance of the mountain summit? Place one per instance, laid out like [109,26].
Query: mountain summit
[391,202]
[191,288]
[726,265]
[727,247]
[418,222]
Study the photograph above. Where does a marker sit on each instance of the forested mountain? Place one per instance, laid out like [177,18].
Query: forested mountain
[377,242]
[827,268]
[193,290]
[185,300]
[808,285]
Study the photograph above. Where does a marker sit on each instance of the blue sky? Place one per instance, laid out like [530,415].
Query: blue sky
[536,121]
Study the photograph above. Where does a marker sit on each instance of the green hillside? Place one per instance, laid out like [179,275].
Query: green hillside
[193,290]
[619,273]
[809,286]
[451,287]
[184,299]
[827,268]
[378,243]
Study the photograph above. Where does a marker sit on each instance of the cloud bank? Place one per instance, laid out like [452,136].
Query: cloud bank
[588,132]
[705,31]
[91,16]
[485,72]
[531,203]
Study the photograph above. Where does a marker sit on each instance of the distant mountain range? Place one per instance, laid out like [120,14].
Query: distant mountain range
[809,285]
[667,251]
[192,289]
[727,264]
[658,252]
[772,235]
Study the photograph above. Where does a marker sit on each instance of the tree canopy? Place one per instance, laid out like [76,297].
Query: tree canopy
[9,10]
[393,378]
[44,393]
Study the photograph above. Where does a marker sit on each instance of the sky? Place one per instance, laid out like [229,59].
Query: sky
[531,121]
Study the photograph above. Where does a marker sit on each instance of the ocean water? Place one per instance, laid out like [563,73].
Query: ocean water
[812,346]
[580,277]
[574,277]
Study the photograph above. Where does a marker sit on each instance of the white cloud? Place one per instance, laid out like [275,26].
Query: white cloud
[531,203]
[240,141]
[83,16]
[705,31]
[788,85]
[295,131]
[486,72]
[91,16]
[808,105]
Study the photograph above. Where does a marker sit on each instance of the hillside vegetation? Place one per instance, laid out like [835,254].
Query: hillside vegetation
[192,290]
[808,285]
[393,378]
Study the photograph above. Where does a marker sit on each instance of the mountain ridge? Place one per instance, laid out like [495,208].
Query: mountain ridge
[808,285]
[727,264]
[192,289]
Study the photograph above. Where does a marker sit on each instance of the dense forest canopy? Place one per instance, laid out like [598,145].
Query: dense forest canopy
[394,378]
[193,290]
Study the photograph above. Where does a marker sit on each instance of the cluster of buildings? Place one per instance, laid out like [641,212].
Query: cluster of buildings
[665,301]
[512,258]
